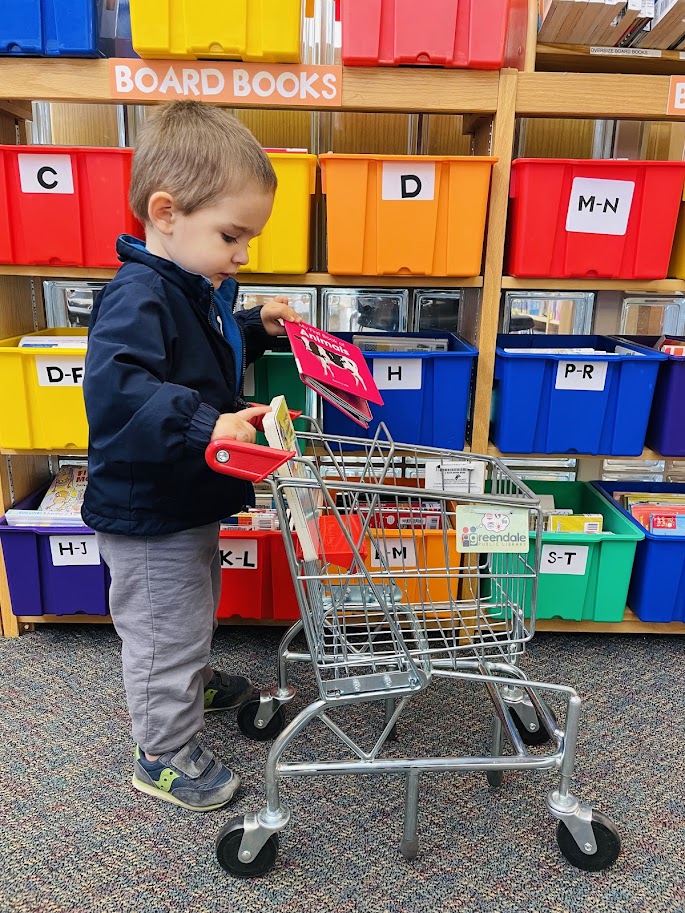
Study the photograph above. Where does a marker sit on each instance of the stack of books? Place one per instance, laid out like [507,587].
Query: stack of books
[661,514]
[643,24]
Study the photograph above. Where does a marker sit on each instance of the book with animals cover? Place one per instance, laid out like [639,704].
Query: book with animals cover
[335,369]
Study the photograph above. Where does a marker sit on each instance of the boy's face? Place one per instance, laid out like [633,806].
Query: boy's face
[214,240]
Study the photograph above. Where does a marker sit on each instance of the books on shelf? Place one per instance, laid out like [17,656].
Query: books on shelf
[53,342]
[657,512]
[644,25]
[335,369]
[389,343]
[61,504]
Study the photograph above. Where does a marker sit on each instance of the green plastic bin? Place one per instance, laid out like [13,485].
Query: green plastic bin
[275,374]
[583,576]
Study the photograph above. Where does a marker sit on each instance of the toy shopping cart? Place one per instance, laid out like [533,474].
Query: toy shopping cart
[409,564]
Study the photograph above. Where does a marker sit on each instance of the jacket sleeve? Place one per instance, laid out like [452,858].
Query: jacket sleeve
[134,413]
[257,340]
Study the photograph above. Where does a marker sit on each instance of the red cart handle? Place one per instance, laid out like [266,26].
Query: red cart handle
[245,461]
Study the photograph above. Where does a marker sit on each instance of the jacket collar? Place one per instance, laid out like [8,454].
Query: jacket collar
[198,288]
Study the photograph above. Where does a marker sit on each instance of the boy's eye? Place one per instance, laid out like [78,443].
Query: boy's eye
[228,238]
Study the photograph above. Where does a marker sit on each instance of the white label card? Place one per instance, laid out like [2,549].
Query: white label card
[239,554]
[581,375]
[564,559]
[398,553]
[68,550]
[398,373]
[408,181]
[60,372]
[249,388]
[599,207]
[457,476]
[46,174]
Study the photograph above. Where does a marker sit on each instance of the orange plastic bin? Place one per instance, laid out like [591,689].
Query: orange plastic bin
[395,215]
[64,205]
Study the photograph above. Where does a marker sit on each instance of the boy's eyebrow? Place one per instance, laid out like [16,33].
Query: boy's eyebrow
[241,228]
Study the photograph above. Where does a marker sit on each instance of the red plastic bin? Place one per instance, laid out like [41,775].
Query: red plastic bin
[581,219]
[64,205]
[246,574]
[285,607]
[447,33]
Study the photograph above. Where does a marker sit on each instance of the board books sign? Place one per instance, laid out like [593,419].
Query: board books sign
[227,82]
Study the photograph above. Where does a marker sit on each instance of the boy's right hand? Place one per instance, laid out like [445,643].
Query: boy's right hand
[235,426]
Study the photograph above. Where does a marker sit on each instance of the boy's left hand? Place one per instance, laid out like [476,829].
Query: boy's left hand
[276,311]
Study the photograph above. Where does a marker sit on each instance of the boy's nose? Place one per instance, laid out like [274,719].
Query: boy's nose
[241,256]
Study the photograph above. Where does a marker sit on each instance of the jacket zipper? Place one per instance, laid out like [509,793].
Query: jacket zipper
[239,392]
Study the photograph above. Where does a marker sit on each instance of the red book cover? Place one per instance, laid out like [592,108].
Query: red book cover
[336,369]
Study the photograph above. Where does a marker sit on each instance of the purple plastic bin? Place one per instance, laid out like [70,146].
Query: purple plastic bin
[39,583]
[666,429]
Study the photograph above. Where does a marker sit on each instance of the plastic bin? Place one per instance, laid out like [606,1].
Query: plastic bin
[284,599]
[595,404]
[426,395]
[268,30]
[448,33]
[656,589]
[393,215]
[245,573]
[49,28]
[283,246]
[409,551]
[583,576]
[42,404]
[276,374]
[64,205]
[592,219]
[677,265]
[53,570]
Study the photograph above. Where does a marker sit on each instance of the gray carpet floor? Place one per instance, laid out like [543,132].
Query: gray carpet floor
[77,838]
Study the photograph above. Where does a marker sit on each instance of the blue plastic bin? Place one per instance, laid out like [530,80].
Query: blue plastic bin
[594,404]
[426,394]
[657,587]
[49,28]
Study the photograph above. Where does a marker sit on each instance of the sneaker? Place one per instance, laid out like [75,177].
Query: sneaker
[190,777]
[226,692]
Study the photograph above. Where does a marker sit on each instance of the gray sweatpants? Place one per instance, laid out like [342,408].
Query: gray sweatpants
[163,601]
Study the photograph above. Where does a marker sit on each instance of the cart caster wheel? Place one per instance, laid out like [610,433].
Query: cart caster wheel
[246,721]
[539,737]
[495,778]
[608,845]
[228,843]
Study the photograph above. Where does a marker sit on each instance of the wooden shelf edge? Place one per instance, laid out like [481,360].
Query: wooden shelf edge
[107,619]
[82,272]
[649,286]
[631,624]
[646,454]
[580,58]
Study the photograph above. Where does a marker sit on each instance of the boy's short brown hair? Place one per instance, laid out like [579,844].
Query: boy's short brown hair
[196,153]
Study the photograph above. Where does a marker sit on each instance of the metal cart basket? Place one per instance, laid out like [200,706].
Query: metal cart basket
[409,564]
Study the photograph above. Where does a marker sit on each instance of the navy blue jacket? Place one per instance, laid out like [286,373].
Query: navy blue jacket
[159,371]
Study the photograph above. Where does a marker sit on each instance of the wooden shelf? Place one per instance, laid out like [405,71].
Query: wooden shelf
[107,620]
[631,624]
[646,454]
[407,89]
[650,286]
[580,59]
[80,272]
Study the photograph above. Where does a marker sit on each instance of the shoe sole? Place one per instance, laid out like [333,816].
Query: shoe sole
[168,797]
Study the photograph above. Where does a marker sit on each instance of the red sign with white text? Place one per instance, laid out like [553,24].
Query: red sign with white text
[228,82]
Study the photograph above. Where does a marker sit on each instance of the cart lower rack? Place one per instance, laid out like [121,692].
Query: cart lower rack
[409,564]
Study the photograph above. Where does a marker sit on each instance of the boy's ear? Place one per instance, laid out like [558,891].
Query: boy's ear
[160,211]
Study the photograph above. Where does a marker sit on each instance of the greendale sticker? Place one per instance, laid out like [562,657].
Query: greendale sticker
[487,529]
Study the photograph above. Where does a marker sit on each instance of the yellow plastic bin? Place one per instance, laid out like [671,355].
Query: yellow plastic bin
[283,246]
[42,401]
[676,267]
[260,30]
[395,215]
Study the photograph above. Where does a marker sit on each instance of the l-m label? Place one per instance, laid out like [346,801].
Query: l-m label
[599,207]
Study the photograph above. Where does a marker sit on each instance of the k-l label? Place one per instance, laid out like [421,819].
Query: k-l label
[408,181]
[564,559]
[68,550]
[239,554]
[398,373]
[581,375]
[60,372]
[599,207]
[45,174]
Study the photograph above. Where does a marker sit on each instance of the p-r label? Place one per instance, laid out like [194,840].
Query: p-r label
[581,375]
